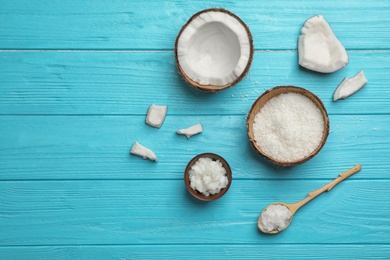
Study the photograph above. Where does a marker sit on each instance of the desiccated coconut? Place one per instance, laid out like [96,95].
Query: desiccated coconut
[288,127]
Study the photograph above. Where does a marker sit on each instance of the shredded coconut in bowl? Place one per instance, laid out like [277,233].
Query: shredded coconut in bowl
[207,176]
[289,127]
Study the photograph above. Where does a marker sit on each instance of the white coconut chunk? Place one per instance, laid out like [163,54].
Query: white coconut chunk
[144,152]
[190,131]
[156,115]
[350,86]
[318,47]
[214,48]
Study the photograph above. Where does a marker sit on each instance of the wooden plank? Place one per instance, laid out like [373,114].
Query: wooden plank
[128,82]
[163,212]
[57,24]
[199,251]
[97,147]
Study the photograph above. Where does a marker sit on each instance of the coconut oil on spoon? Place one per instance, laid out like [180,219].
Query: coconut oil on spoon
[277,217]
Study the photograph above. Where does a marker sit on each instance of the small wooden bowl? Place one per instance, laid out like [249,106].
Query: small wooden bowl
[199,195]
[263,99]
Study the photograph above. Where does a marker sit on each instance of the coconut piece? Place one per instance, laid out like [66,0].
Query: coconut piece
[144,152]
[318,47]
[156,115]
[190,131]
[350,86]
[214,50]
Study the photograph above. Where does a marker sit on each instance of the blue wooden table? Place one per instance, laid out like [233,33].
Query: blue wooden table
[76,80]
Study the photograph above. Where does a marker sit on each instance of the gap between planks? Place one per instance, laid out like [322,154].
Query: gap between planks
[356,179]
[162,50]
[199,244]
[179,115]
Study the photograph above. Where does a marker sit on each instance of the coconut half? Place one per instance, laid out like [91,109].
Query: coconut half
[214,50]
[318,47]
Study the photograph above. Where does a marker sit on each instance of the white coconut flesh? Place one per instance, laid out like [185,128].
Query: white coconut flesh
[156,115]
[142,151]
[349,86]
[318,47]
[190,131]
[214,49]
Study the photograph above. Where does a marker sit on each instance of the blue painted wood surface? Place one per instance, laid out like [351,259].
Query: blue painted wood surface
[154,24]
[76,80]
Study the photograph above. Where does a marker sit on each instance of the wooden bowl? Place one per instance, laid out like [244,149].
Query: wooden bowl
[263,99]
[199,195]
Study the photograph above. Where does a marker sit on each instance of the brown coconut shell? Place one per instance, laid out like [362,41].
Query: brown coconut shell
[263,99]
[214,88]
[199,195]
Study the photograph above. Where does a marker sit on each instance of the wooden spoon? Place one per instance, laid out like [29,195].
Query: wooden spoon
[295,206]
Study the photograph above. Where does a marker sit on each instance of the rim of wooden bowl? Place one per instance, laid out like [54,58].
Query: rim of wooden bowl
[214,88]
[263,99]
[199,195]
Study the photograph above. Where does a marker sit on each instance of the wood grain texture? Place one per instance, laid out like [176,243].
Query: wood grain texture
[128,82]
[200,252]
[97,147]
[162,212]
[76,80]
[92,24]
